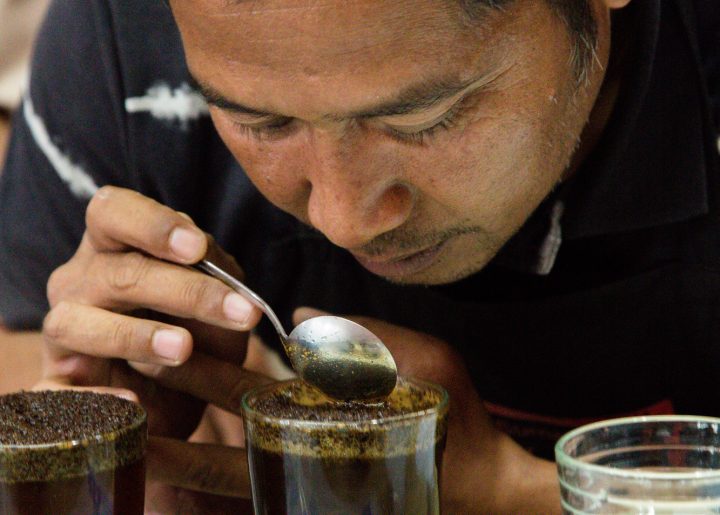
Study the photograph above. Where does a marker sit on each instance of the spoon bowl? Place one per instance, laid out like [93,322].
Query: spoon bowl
[341,358]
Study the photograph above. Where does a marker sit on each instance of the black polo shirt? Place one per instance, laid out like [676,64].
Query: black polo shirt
[606,303]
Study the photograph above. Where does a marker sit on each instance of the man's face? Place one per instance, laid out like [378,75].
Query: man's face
[416,140]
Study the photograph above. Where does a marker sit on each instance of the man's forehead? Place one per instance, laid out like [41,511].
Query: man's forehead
[303,34]
[338,20]
[331,56]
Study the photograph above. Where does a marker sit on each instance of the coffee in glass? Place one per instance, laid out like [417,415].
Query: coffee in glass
[310,454]
[71,452]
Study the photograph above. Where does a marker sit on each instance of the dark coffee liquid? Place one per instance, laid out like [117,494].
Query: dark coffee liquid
[291,483]
[117,492]
[311,455]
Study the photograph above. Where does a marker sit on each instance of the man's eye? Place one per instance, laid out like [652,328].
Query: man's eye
[273,128]
[447,121]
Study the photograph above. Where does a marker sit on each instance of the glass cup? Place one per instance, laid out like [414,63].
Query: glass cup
[308,454]
[67,453]
[664,464]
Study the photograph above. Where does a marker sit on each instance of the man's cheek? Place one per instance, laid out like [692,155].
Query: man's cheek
[277,175]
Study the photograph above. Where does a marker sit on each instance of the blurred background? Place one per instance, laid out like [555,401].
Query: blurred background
[19,22]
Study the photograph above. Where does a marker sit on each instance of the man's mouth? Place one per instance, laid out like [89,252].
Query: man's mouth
[403,265]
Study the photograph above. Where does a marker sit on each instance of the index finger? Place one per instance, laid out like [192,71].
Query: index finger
[119,218]
[208,378]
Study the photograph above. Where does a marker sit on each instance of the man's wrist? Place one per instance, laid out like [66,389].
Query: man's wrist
[531,485]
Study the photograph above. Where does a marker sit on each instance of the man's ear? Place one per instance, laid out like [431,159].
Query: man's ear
[616,4]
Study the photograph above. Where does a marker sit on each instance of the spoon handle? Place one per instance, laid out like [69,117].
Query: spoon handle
[215,271]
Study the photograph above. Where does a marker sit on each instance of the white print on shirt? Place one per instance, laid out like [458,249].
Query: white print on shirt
[181,104]
[77,179]
[551,245]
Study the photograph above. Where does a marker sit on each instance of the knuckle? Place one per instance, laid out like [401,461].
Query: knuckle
[97,203]
[127,274]
[56,285]
[56,323]
[201,296]
[122,337]
[206,475]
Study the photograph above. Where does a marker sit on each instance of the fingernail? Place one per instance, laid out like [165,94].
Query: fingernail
[186,243]
[168,344]
[127,396]
[236,307]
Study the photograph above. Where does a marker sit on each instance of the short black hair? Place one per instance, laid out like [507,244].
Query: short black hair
[578,18]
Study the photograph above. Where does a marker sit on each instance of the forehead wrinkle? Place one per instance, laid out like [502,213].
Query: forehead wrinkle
[224,8]
[319,15]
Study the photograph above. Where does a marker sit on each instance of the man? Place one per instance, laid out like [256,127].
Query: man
[519,197]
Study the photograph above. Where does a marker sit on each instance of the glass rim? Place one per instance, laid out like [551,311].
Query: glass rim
[439,408]
[562,458]
[66,445]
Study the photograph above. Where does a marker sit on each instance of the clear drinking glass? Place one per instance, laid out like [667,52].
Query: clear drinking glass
[664,464]
[308,454]
[73,471]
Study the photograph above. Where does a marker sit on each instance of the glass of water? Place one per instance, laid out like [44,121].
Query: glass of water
[667,464]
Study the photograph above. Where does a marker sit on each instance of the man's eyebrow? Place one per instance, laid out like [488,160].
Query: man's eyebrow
[413,98]
[217,99]
[418,97]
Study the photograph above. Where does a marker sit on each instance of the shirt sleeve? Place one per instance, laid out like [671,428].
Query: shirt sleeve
[68,139]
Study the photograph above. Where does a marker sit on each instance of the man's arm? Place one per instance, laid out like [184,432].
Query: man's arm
[20,360]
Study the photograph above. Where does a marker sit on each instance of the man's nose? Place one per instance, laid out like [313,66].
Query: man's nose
[356,193]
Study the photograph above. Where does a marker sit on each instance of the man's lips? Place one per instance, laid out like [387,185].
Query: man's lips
[402,265]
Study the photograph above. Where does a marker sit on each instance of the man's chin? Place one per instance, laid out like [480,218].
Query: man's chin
[437,275]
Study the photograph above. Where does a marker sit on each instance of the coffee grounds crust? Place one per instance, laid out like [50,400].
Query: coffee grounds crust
[50,435]
[293,417]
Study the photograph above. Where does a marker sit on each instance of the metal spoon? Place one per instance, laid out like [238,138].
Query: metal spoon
[341,358]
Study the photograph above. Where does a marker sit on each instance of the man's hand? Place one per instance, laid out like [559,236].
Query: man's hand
[484,470]
[124,294]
